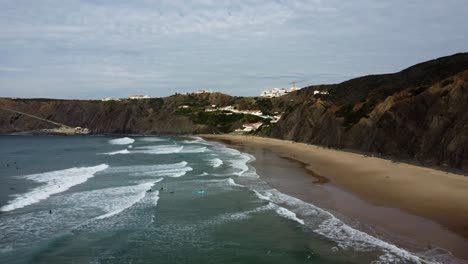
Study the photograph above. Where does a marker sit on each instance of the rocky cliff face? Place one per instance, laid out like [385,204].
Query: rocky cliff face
[418,114]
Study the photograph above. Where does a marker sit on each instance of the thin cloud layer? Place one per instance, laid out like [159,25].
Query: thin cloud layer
[97,48]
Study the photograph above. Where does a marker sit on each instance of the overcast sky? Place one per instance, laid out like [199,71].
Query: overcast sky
[96,48]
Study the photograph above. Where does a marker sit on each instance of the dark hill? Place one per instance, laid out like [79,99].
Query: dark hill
[420,113]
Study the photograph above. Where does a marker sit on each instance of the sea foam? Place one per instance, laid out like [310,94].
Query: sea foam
[151,139]
[333,228]
[133,194]
[123,151]
[158,149]
[160,170]
[216,162]
[54,182]
[122,141]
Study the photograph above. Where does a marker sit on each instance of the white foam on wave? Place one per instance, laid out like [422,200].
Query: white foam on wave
[146,168]
[122,141]
[278,209]
[171,172]
[288,214]
[197,140]
[225,182]
[123,151]
[216,162]
[247,214]
[239,161]
[160,170]
[55,182]
[192,149]
[168,149]
[158,149]
[233,183]
[336,230]
[151,139]
[129,196]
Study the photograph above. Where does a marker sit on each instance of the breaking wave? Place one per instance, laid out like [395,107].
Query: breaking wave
[151,139]
[161,170]
[54,182]
[130,196]
[123,151]
[122,141]
[328,225]
[216,162]
[159,149]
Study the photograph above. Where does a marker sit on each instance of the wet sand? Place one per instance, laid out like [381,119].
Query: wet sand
[417,208]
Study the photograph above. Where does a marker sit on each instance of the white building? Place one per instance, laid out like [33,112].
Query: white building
[227,108]
[277,92]
[202,92]
[138,97]
[319,92]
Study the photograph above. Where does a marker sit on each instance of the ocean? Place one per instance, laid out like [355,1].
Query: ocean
[96,199]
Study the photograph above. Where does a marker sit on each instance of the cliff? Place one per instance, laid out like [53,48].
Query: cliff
[418,114]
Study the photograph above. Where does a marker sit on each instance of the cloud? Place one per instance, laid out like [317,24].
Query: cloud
[102,47]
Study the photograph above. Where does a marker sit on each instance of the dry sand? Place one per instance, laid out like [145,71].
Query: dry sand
[425,204]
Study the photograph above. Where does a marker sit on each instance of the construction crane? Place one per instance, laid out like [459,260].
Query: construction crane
[294,83]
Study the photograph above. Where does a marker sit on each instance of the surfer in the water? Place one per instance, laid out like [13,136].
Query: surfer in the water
[50,211]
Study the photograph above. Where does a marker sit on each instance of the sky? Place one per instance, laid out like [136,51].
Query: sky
[90,49]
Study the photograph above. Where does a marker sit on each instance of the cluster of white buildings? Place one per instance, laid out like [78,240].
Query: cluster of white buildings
[231,109]
[277,92]
[202,92]
[131,97]
[249,126]
[138,97]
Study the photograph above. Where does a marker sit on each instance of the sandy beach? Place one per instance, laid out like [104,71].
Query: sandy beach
[415,207]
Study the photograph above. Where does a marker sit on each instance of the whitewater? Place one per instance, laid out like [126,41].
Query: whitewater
[165,200]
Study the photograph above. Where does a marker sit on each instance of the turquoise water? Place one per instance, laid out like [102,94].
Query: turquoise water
[160,200]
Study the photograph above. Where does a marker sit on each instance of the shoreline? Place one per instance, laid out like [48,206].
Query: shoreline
[410,206]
